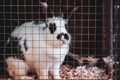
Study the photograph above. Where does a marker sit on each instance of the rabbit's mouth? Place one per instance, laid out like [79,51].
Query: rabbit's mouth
[63,41]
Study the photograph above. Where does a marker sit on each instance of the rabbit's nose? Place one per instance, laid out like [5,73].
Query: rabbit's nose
[62,36]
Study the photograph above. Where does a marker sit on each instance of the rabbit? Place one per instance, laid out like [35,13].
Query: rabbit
[40,46]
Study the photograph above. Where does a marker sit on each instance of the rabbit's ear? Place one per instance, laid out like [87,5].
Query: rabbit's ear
[68,16]
[46,11]
[44,7]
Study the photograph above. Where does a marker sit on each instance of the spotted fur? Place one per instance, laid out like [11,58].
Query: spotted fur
[39,46]
[31,47]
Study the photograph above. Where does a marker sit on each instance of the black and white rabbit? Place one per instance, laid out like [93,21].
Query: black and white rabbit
[40,46]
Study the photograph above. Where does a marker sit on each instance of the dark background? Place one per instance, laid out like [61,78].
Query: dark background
[90,26]
[116,24]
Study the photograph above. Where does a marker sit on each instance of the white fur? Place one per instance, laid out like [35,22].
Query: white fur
[45,53]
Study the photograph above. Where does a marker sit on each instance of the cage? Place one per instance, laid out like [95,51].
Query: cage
[94,30]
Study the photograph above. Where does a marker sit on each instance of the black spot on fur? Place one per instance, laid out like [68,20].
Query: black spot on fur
[66,27]
[36,22]
[59,36]
[66,36]
[62,34]
[13,49]
[52,27]
[25,45]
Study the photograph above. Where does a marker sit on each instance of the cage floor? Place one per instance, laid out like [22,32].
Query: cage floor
[86,70]
[83,72]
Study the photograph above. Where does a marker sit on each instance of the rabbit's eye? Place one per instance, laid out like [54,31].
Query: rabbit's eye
[52,27]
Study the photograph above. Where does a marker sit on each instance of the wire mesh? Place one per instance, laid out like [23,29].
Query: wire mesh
[90,26]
